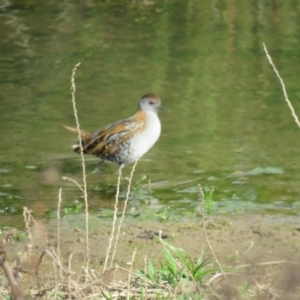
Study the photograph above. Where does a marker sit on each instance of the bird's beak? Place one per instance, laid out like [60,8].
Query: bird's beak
[164,109]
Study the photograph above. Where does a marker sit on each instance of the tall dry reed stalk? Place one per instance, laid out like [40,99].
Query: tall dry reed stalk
[73,91]
[123,212]
[283,86]
[109,245]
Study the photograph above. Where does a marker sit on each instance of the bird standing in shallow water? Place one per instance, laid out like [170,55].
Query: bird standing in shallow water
[124,141]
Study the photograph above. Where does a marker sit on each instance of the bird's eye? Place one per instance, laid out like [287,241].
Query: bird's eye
[151,102]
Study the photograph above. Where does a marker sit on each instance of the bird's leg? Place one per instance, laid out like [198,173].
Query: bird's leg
[97,167]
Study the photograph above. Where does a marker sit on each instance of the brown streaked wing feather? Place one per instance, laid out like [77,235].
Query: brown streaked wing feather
[106,142]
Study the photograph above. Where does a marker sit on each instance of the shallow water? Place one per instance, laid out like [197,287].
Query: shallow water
[229,128]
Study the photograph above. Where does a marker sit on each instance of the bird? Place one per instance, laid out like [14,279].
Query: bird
[124,141]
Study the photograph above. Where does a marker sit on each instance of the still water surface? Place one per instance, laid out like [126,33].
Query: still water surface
[229,127]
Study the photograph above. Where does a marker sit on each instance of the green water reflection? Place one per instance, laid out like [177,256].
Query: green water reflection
[204,58]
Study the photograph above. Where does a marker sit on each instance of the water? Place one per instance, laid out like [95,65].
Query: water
[229,127]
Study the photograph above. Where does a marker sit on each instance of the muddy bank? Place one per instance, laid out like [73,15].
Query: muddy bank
[268,246]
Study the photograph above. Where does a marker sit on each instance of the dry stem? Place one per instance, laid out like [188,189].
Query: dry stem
[55,279]
[123,212]
[283,87]
[73,90]
[145,279]
[58,231]
[74,181]
[28,218]
[114,222]
[129,275]
[204,230]
[16,292]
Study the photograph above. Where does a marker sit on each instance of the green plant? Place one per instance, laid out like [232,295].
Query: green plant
[137,187]
[140,190]
[163,215]
[183,266]
[19,236]
[178,265]
[73,209]
[244,291]
[58,295]
[106,296]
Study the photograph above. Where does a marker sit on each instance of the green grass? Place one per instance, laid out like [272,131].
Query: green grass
[177,268]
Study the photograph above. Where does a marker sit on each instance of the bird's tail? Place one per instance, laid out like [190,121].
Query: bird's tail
[85,137]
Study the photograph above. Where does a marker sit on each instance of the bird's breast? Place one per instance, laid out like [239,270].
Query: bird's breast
[144,139]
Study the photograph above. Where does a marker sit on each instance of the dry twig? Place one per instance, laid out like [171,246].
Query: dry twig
[129,275]
[145,278]
[15,289]
[28,218]
[283,86]
[123,212]
[114,222]
[74,181]
[204,231]
[73,90]
[58,230]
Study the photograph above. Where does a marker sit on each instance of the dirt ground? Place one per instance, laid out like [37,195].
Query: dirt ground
[268,248]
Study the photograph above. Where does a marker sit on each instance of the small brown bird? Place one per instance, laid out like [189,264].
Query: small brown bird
[124,141]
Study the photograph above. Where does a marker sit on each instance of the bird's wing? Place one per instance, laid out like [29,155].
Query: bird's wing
[106,142]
